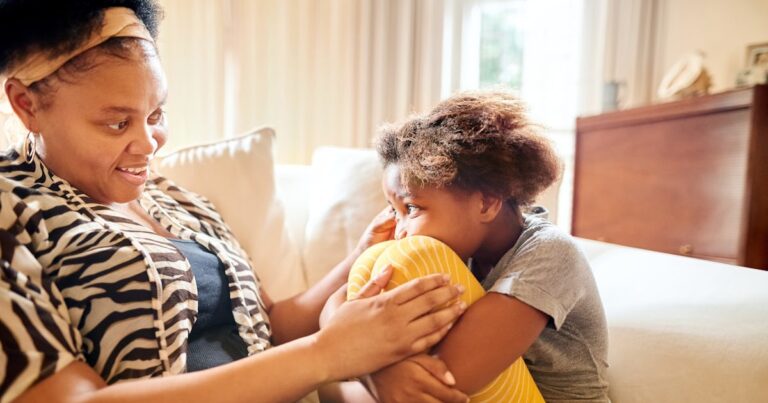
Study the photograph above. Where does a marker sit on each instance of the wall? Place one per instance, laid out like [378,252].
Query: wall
[722,29]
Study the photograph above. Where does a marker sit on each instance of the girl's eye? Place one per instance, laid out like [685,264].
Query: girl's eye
[119,126]
[411,208]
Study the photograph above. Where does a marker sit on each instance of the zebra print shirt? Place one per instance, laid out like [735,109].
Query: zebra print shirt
[79,281]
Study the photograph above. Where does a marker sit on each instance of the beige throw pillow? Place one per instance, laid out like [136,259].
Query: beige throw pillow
[237,176]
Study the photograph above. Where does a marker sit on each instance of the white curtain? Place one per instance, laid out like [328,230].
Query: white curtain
[318,71]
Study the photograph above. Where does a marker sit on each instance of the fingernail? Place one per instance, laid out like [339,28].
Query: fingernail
[462,306]
[446,278]
[449,379]
[460,288]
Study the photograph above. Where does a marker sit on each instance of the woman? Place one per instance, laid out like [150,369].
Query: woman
[111,274]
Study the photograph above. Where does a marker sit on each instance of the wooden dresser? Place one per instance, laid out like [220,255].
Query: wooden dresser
[687,177]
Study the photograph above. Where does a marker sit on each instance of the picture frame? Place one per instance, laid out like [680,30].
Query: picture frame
[756,66]
[757,56]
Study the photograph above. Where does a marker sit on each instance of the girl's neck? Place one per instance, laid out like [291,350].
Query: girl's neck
[502,235]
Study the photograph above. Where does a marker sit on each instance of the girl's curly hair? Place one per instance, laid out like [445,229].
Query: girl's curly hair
[473,141]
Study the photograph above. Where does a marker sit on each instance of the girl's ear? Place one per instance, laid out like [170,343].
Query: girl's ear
[490,207]
[23,103]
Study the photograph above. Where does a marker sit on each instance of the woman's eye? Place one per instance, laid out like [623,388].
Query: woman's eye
[157,117]
[119,126]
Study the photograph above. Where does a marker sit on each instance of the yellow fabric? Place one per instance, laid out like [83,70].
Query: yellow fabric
[418,256]
[118,22]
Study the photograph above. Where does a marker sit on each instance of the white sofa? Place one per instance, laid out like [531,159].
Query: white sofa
[680,329]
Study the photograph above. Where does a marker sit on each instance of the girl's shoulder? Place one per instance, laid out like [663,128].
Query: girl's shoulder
[542,234]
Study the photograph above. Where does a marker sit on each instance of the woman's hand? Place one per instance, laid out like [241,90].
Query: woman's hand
[370,332]
[373,287]
[421,378]
[333,304]
[381,228]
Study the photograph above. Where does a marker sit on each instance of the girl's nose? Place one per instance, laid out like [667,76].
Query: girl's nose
[400,231]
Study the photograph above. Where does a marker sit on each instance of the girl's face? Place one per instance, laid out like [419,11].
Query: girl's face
[100,130]
[450,216]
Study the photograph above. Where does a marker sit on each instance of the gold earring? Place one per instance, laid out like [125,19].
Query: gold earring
[29,147]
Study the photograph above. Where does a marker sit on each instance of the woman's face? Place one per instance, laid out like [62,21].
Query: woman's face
[100,130]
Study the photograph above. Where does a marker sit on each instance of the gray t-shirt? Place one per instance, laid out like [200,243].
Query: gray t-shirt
[546,270]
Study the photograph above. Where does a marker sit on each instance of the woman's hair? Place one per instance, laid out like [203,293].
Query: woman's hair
[60,26]
[476,141]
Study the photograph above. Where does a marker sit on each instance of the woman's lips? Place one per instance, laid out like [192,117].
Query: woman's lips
[136,176]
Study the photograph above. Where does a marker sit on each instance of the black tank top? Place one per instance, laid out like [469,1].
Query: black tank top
[214,339]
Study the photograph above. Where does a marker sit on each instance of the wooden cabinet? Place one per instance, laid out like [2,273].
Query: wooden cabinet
[687,177]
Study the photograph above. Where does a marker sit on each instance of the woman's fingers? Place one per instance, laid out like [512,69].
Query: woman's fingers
[418,287]
[375,285]
[432,300]
[441,393]
[434,366]
[332,304]
[434,326]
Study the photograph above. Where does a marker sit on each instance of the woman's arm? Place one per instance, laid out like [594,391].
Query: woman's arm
[363,335]
[298,316]
[285,373]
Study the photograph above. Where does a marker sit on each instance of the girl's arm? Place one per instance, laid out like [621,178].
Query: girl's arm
[363,335]
[488,338]
[298,316]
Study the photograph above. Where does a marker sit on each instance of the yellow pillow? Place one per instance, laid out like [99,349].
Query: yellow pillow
[418,256]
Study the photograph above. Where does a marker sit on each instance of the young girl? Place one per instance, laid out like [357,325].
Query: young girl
[464,174]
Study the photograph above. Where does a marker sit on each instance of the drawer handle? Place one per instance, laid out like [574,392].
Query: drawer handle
[686,250]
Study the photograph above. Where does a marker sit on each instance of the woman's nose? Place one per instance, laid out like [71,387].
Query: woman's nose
[145,142]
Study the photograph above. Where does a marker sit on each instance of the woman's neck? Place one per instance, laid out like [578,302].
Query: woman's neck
[502,235]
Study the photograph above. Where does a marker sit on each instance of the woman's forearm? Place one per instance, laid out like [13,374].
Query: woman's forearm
[298,316]
[282,374]
[364,335]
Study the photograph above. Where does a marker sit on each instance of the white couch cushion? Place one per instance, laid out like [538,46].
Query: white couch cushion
[237,176]
[344,196]
[682,329]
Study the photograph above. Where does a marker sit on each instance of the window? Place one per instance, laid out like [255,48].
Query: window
[501,44]
[529,46]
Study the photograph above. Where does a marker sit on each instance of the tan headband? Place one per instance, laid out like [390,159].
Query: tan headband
[118,22]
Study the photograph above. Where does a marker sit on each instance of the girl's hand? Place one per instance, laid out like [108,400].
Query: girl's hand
[420,378]
[381,228]
[369,333]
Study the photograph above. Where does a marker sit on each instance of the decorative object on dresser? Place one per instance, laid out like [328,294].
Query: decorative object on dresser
[685,79]
[687,177]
